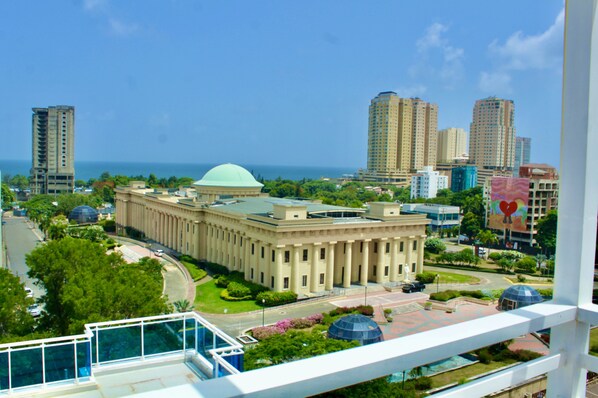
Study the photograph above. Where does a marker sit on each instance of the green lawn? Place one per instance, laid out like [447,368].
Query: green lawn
[450,277]
[469,371]
[207,299]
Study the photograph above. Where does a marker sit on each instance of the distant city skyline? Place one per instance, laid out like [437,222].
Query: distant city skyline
[276,83]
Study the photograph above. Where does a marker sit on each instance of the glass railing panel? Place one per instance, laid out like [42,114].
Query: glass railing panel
[60,362]
[26,367]
[4,370]
[119,343]
[163,337]
[83,359]
[190,334]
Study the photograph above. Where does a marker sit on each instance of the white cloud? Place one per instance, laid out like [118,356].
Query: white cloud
[121,28]
[93,4]
[497,83]
[521,52]
[449,59]
[416,90]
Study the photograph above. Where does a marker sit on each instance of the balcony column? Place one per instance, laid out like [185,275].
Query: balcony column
[393,260]
[295,268]
[578,202]
[313,286]
[330,266]
[348,263]
[381,265]
[365,260]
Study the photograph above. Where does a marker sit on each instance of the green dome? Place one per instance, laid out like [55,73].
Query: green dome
[228,175]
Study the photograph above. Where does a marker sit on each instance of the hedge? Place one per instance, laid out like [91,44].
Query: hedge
[366,310]
[426,277]
[451,294]
[196,273]
[236,289]
[252,289]
[272,299]
[224,295]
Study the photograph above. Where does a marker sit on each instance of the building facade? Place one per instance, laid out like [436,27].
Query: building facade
[53,150]
[492,135]
[296,245]
[464,177]
[426,183]
[452,144]
[402,134]
[523,149]
[441,216]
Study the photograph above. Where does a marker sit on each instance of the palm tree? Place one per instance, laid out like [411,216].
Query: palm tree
[182,305]
[487,237]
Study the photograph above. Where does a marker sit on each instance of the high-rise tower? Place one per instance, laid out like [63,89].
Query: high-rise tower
[401,133]
[522,153]
[492,134]
[53,150]
[452,143]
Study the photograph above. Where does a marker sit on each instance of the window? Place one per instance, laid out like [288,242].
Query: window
[304,281]
[286,282]
[251,277]
[287,256]
[252,248]
[414,245]
[261,277]
[387,247]
[234,239]
[374,271]
[305,253]
[321,278]
[386,270]
[272,282]
[413,267]
[322,254]
[262,251]
[273,255]
[400,268]
[241,241]
[375,247]
[360,247]
[228,237]
[400,246]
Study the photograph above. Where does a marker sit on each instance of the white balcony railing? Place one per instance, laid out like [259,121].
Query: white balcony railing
[570,314]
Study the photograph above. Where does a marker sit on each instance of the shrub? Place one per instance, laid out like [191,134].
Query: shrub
[316,318]
[387,311]
[494,256]
[484,356]
[426,277]
[196,273]
[284,324]
[527,264]
[526,355]
[521,278]
[546,293]
[440,296]
[236,289]
[434,245]
[366,310]
[272,299]
[472,293]
[225,295]
[215,269]
[302,323]
[263,332]
[422,383]
[222,281]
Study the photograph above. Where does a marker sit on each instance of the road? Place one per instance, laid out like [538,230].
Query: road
[21,237]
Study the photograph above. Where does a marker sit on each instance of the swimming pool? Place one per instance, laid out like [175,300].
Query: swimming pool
[434,368]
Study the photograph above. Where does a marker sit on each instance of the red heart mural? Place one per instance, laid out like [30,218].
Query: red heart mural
[508,208]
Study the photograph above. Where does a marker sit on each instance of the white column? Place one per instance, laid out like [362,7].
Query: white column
[393,260]
[315,255]
[295,269]
[348,263]
[380,265]
[578,195]
[278,286]
[330,266]
[365,258]
[246,261]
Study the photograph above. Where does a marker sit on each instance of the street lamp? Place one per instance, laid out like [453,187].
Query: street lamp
[365,302]
[263,311]
[437,281]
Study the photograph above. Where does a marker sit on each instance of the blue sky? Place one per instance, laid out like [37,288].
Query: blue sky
[270,82]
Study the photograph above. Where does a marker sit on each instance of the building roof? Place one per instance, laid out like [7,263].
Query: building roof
[262,205]
[356,327]
[521,295]
[228,175]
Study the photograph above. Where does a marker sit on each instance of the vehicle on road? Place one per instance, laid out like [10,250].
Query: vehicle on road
[413,287]
[34,310]
[159,252]
[29,292]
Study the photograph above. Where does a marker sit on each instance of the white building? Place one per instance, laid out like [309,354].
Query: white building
[442,216]
[427,182]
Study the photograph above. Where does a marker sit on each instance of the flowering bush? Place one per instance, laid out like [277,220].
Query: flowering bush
[302,323]
[263,332]
[284,324]
[316,318]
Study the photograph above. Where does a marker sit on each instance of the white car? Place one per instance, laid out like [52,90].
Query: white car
[29,292]
[159,253]
[34,310]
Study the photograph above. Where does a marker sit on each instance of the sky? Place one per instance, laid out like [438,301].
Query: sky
[270,82]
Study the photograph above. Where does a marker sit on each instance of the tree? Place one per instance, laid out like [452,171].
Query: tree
[487,237]
[8,196]
[182,306]
[470,225]
[546,236]
[57,228]
[434,245]
[14,318]
[20,182]
[526,264]
[84,284]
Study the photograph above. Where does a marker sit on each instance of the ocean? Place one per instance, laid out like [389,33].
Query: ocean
[84,170]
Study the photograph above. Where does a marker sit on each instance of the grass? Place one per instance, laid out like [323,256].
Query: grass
[450,277]
[594,341]
[207,299]
[466,372]
[196,273]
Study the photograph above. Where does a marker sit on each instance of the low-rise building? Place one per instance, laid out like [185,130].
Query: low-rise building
[298,245]
[427,182]
[441,216]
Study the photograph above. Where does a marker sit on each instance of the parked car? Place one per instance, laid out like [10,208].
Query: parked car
[413,287]
[159,252]
[34,310]
[29,292]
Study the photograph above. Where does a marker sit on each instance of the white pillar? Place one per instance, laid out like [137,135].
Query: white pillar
[393,260]
[365,259]
[315,255]
[578,194]
[330,266]
[295,269]
[348,262]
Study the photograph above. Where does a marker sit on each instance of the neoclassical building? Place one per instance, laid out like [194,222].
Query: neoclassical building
[284,244]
